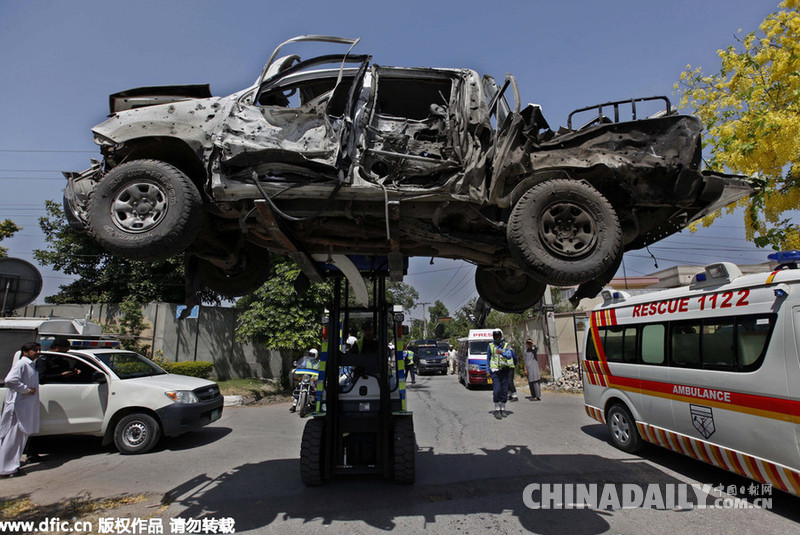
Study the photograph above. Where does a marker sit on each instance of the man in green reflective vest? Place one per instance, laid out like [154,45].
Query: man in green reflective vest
[500,363]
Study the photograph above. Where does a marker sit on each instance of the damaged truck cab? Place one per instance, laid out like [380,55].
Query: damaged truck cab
[334,154]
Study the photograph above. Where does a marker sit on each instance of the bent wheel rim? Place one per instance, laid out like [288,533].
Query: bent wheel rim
[139,207]
[135,434]
[567,229]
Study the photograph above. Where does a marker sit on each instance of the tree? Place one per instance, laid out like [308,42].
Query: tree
[438,310]
[751,109]
[7,229]
[277,316]
[400,293]
[103,277]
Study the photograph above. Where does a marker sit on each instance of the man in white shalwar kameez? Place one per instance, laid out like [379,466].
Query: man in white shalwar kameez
[20,417]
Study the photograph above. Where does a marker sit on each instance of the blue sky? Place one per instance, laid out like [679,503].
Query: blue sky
[61,60]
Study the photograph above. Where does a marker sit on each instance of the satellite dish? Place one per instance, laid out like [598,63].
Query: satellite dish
[20,284]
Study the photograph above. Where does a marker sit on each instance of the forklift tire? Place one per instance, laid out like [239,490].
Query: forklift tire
[404,450]
[311,452]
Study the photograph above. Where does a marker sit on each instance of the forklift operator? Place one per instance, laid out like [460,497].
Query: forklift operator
[367,344]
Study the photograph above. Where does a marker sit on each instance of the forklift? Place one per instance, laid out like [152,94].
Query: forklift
[361,425]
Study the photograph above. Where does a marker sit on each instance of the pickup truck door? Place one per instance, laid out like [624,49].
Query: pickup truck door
[295,124]
[75,404]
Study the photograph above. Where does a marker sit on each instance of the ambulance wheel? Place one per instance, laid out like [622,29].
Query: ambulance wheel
[311,452]
[404,450]
[622,427]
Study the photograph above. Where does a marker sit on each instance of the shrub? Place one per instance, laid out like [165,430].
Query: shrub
[199,369]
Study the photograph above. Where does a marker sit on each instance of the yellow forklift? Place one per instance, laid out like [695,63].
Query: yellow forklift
[362,425]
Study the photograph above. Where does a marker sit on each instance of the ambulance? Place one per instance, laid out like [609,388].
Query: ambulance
[472,358]
[711,370]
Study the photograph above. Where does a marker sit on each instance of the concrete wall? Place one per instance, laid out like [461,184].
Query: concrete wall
[209,337]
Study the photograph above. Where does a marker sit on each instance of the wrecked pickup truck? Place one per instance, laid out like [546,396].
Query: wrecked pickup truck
[334,154]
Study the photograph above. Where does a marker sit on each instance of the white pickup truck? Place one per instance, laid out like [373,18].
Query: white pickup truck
[121,396]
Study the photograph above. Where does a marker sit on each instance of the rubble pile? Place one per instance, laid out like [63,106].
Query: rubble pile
[569,382]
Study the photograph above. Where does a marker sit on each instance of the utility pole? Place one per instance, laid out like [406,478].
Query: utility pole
[424,320]
[551,336]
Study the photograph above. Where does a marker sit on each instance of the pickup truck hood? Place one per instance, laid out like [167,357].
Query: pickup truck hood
[170,381]
[141,97]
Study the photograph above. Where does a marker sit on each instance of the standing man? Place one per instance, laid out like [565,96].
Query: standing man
[500,362]
[20,417]
[532,369]
[451,359]
[410,365]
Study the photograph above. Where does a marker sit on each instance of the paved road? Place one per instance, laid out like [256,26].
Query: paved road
[471,473]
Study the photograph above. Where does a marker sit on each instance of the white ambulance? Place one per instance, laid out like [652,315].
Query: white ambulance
[711,371]
[472,358]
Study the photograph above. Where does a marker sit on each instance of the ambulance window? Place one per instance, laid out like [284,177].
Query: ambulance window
[685,343]
[752,336]
[620,344]
[614,343]
[653,343]
[717,342]
[591,352]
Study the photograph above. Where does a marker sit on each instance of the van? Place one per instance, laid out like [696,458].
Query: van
[472,358]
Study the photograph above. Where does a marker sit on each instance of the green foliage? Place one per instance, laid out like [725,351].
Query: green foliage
[400,293]
[278,317]
[201,368]
[438,310]
[7,229]
[129,326]
[105,278]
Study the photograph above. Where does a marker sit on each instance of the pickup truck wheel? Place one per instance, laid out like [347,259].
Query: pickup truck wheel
[136,433]
[508,290]
[565,231]
[247,276]
[145,210]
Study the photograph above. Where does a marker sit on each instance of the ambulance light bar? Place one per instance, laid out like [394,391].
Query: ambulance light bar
[614,296]
[715,274]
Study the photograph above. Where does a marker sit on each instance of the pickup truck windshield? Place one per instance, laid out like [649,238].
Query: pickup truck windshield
[127,365]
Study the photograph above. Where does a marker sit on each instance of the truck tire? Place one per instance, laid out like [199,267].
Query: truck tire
[508,290]
[565,231]
[145,210]
[136,433]
[404,450]
[311,452]
[248,276]
[622,427]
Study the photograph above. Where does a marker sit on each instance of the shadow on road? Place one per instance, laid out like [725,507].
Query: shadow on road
[490,482]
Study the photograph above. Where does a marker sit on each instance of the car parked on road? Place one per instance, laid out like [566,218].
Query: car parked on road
[336,154]
[123,397]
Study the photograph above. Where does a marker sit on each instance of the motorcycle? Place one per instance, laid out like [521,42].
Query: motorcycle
[305,390]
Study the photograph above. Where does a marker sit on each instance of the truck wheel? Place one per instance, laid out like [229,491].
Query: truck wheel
[311,452]
[145,210]
[136,433]
[565,231]
[404,451]
[622,426]
[251,272]
[508,290]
